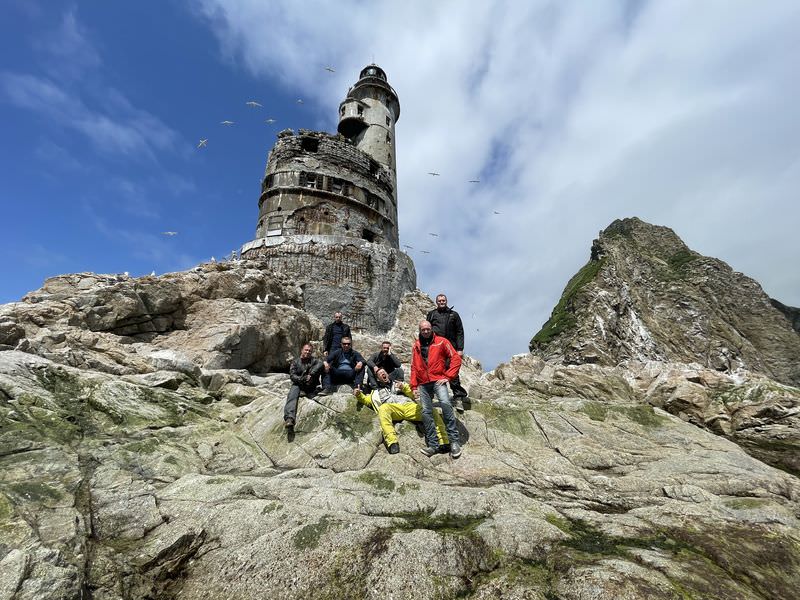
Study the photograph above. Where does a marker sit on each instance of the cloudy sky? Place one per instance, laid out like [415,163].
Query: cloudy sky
[571,114]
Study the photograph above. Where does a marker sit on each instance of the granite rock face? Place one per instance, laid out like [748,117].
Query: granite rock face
[220,315]
[143,455]
[644,295]
[570,486]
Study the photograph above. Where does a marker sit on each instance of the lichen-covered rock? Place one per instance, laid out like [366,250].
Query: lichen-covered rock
[569,483]
[150,460]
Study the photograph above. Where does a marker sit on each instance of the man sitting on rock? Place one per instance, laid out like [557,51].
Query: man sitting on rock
[343,365]
[394,401]
[304,373]
[384,360]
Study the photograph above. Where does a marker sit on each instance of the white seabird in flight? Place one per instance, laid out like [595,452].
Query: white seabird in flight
[269,121]
[434,173]
[169,233]
[330,69]
[203,143]
[226,122]
[253,104]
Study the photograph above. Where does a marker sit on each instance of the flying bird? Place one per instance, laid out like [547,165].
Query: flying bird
[330,69]
[474,181]
[425,251]
[407,246]
[435,174]
[253,104]
[203,143]
[433,234]
[269,121]
[169,233]
[497,212]
[226,123]
[299,100]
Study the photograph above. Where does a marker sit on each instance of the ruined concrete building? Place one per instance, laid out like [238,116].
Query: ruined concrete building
[328,210]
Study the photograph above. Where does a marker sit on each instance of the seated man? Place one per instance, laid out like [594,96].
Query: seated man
[394,401]
[384,360]
[343,365]
[304,373]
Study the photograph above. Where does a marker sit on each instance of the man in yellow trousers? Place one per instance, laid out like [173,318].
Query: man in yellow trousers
[394,401]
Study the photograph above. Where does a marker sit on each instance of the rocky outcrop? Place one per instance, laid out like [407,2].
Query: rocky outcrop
[220,315]
[569,483]
[644,296]
[143,455]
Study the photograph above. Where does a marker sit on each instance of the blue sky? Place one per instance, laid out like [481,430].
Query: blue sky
[571,114]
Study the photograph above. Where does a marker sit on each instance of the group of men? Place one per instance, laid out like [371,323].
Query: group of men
[435,363]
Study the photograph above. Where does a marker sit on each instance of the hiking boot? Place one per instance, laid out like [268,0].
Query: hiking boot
[458,404]
[428,451]
[288,423]
[326,392]
[444,448]
[394,448]
[455,450]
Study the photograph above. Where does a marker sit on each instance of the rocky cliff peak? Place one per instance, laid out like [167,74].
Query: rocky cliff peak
[644,295]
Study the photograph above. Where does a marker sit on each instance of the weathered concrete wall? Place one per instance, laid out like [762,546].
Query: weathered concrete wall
[363,280]
[322,184]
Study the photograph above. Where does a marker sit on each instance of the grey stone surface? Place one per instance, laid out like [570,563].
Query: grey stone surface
[153,465]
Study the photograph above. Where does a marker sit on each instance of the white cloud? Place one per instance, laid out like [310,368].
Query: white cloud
[573,114]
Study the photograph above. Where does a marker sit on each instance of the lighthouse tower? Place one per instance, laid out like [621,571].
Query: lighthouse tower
[327,212]
[368,116]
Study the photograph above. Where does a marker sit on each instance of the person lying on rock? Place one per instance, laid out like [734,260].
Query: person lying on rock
[343,365]
[394,401]
[430,375]
[384,360]
[304,372]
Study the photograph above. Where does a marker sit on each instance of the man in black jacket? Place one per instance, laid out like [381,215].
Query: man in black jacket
[344,365]
[304,373]
[447,323]
[384,360]
[334,334]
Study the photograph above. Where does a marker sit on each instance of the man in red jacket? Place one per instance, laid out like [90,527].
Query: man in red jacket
[429,377]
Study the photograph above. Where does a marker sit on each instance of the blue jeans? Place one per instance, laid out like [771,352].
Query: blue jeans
[426,393]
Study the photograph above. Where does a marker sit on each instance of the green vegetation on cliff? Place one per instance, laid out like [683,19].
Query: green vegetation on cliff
[563,318]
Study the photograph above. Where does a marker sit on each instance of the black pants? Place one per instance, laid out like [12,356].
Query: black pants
[458,390]
[290,409]
[455,384]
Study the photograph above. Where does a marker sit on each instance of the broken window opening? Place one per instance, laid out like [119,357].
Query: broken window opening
[309,144]
[360,110]
[368,235]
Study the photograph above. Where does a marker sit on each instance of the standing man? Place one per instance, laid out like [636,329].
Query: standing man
[334,334]
[429,377]
[447,322]
[344,365]
[384,360]
[304,373]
